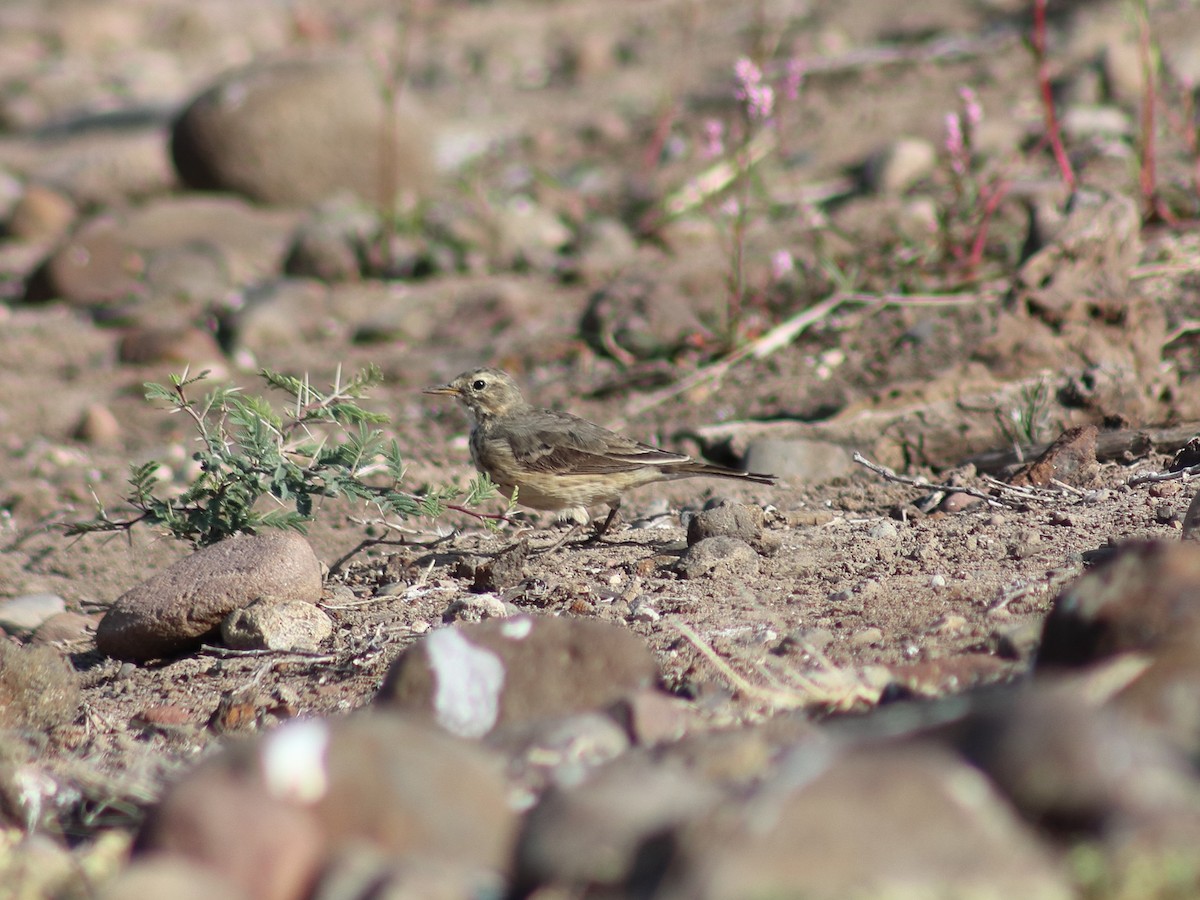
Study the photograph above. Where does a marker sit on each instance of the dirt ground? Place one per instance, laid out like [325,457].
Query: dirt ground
[925,363]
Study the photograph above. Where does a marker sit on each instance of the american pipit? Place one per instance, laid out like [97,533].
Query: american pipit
[558,461]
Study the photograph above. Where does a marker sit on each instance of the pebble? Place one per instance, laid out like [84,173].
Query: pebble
[287,625]
[797,459]
[717,553]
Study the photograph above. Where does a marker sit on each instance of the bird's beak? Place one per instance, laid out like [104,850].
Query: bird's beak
[447,389]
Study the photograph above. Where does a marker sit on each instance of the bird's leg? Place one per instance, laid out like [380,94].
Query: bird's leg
[612,514]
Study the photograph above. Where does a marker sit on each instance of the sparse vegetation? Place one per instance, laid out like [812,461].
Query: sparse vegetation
[324,445]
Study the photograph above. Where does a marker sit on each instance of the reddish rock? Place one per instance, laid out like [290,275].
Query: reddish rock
[1143,598]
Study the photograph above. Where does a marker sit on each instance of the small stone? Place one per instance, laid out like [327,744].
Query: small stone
[185,346]
[884,530]
[477,608]
[39,690]
[800,460]
[596,834]
[1019,641]
[288,625]
[957,501]
[298,131]
[68,630]
[641,609]
[98,426]
[505,570]
[935,827]
[42,215]
[725,554]
[22,615]
[901,165]
[728,519]
[867,637]
[653,717]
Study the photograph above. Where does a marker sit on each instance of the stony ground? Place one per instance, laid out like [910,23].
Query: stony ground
[849,699]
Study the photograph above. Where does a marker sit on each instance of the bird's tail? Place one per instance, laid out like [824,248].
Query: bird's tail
[693,469]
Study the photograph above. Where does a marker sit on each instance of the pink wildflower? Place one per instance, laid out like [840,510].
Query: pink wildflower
[955,144]
[782,265]
[971,106]
[758,97]
[714,139]
[793,78]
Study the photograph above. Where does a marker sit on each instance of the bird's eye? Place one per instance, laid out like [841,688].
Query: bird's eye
[478,384]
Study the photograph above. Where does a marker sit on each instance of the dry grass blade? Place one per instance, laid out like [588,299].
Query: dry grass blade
[829,688]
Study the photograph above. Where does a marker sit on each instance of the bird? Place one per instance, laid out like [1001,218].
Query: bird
[558,461]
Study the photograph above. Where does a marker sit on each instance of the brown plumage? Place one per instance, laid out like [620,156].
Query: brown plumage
[558,461]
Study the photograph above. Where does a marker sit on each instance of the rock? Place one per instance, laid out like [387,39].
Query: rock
[737,520]
[232,826]
[181,346]
[109,167]
[39,691]
[1144,598]
[1083,275]
[804,461]
[502,571]
[98,426]
[298,131]
[296,625]
[653,717]
[595,835]
[1019,641]
[476,608]
[1072,767]
[110,256]
[473,678]
[416,793]
[42,215]
[174,611]
[717,553]
[169,876]
[896,821]
[22,615]
[362,872]
[639,315]
[528,235]
[1166,698]
[1080,122]
[949,675]
[564,750]
[330,245]
[1071,458]
[901,165]
[67,630]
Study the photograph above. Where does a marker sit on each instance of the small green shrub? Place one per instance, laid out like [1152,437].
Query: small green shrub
[323,445]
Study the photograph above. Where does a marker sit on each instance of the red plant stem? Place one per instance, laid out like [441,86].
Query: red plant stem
[985,221]
[1043,77]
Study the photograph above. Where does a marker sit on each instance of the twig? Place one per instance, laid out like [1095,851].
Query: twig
[889,475]
[1180,475]
[230,653]
[760,348]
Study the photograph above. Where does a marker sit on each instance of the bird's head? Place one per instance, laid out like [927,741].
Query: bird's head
[485,392]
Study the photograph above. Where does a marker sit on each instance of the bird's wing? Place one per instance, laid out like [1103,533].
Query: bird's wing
[560,442]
